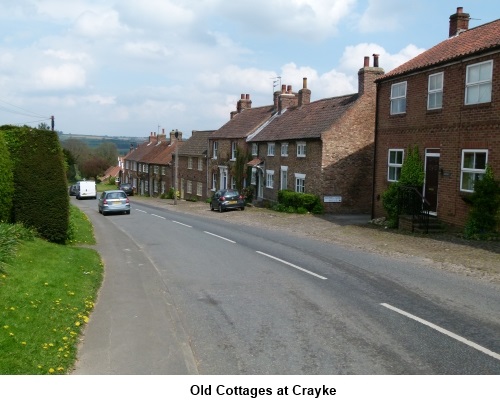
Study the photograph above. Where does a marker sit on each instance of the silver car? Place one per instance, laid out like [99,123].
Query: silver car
[113,201]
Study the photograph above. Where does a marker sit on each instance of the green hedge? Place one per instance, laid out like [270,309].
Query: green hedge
[299,202]
[6,182]
[40,188]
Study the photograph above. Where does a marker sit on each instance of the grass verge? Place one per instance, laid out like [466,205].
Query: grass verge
[46,295]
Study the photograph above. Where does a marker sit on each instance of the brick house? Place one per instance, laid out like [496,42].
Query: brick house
[193,164]
[225,143]
[446,101]
[323,147]
[148,167]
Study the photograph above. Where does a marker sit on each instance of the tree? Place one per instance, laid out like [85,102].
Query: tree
[79,149]
[93,167]
[108,151]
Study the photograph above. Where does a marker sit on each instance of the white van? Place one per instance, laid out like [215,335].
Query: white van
[86,189]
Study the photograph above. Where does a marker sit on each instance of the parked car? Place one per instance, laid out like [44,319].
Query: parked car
[113,201]
[127,187]
[227,199]
[73,189]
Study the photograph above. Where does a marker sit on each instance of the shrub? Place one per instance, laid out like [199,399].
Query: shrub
[412,174]
[484,214]
[302,201]
[40,187]
[6,182]
[170,194]
[10,236]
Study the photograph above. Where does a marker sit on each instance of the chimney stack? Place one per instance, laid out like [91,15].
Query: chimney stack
[367,75]
[304,93]
[244,103]
[459,22]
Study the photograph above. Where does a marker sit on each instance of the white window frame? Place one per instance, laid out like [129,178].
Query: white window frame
[255,149]
[163,170]
[189,187]
[435,91]
[476,173]
[214,181]
[478,87]
[284,178]
[199,188]
[284,149]
[270,148]
[300,183]
[234,150]
[253,178]
[269,178]
[215,147]
[394,167]
[398,98]
[190,162]
[200,164]
[301,149]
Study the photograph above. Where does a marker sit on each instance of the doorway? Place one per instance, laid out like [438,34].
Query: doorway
[432,178]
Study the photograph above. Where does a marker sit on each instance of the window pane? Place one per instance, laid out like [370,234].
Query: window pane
[473,74]
[480,161]
[484,91]
[468,160]
[485,71]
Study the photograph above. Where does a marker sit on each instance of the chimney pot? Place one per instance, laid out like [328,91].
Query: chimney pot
[289,89]
[366,61]
[247,96]
[304,82]
[242,97]
[375,59]
[283,88]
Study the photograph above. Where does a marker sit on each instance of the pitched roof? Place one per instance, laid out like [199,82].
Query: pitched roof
[196,144]
[475,40]
[244,123]
[306,122]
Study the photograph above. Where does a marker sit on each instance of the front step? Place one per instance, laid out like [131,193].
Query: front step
[406,223]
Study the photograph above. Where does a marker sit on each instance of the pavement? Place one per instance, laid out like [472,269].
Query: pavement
[134,319]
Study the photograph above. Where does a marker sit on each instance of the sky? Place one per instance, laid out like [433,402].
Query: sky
[129,67]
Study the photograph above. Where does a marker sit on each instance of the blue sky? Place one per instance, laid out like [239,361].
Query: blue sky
[128,67]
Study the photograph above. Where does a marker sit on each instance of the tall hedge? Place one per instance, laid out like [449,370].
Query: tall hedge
[6,182]
[40,188]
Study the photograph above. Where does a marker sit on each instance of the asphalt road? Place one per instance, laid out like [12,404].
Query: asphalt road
[185,294]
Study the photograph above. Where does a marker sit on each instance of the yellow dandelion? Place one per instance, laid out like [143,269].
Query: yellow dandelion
[77,323]
[11,334]
[51,370]
[51,344]
[6,326]
[45,283]
[65,338]
[12,308]
[60,368]
[86,319]
[23,343]
[39,366]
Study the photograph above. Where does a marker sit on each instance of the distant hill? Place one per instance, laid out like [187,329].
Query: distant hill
[122,143]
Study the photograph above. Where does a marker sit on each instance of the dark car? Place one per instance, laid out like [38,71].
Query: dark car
[227,199]
[73,189]
[113,201]
[127,187]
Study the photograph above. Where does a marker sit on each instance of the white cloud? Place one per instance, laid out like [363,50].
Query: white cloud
[385,15]
[66,76]
[99,25]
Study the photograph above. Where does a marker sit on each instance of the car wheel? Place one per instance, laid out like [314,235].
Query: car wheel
[104,213]
[243,208]
[128,212]
[211,207]
[220,208]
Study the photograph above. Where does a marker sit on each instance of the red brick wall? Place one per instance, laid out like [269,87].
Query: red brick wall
[451,129]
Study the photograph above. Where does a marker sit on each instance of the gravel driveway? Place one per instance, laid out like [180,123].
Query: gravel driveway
[443,251]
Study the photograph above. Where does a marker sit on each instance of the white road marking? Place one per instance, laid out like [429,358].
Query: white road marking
[140,210]
[180,223]
[293,265]
[218,236]
[158,216]
[444,331]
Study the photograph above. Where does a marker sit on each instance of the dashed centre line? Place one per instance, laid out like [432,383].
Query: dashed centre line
[292,265]
[444,331]
[158,216]
[218,236]
[180,223]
